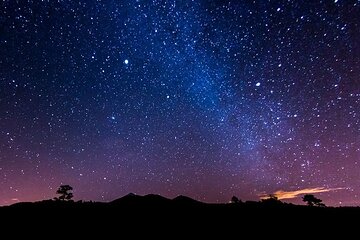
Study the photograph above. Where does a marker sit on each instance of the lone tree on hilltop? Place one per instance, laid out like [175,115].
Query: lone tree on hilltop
[65,193]
[311,200]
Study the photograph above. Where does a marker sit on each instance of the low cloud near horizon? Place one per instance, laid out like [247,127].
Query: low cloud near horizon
[281,194]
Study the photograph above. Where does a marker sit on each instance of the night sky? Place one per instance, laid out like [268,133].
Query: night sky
[204,98]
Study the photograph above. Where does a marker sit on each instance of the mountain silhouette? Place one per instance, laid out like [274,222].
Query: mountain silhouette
[154,200]
[137,200]
[185,200]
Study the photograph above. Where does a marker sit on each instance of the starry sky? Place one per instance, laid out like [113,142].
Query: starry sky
[203,98]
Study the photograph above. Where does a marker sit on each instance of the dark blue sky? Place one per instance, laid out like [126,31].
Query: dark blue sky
[203,98]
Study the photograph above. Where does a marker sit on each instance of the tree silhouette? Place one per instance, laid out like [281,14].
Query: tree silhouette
[271,199]
[311,200]
[234,199]
[65,194]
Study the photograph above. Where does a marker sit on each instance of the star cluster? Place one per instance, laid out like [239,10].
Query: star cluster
[202,98]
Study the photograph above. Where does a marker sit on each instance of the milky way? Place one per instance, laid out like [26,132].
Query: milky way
[208,99]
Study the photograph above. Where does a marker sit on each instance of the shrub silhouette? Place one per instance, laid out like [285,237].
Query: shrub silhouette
[65,194]
[271,199]
[234,199]
[311,200]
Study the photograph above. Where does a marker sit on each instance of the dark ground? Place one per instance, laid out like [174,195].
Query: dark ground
[153,215]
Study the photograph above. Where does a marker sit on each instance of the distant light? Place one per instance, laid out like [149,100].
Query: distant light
[258,84]
[167,96]
[278,9]
[336,1]
[126,61]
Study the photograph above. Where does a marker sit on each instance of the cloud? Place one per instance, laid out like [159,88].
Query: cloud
[281,194]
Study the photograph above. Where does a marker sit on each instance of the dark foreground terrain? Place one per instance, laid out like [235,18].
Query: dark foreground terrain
[153,214]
